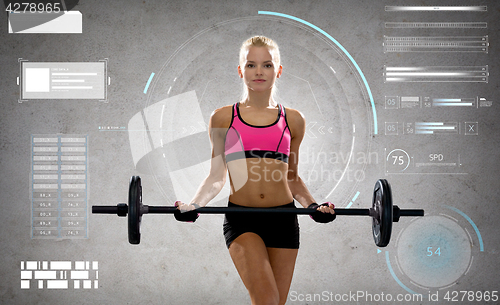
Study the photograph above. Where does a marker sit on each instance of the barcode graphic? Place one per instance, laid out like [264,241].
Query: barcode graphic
[59,274]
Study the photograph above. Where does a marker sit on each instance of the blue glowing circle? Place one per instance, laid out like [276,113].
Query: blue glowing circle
[434,251]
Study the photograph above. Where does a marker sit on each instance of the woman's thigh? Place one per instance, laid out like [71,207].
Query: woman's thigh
[283,264]
[251,259]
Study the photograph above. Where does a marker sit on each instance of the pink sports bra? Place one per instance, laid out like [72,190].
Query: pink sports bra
[249,141]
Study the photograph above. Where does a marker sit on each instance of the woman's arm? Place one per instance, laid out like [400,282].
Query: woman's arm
[298,188]
[214,182]
[297,124]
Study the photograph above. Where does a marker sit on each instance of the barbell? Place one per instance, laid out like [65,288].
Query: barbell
[382,212]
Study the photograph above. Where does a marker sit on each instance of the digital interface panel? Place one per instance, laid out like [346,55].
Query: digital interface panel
[59,184]
[62,80]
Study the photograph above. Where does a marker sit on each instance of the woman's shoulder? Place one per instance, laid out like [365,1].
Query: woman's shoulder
[294,116]
[296,122]
[221,117]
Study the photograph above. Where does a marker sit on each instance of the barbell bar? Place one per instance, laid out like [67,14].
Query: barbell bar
[382,212]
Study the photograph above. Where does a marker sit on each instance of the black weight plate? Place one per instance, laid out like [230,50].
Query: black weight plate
[134,210]
[382,218]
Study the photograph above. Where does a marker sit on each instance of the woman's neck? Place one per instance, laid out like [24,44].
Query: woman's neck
[259,99]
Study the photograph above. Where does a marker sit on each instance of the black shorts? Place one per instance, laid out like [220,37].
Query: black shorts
[276,230]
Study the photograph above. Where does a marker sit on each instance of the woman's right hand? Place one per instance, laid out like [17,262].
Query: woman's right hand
[186,212]
[324,212]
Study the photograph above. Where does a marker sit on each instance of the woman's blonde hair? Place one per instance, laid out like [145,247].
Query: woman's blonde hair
[260,41]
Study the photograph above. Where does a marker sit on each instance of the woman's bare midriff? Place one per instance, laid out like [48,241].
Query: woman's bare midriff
[259,182]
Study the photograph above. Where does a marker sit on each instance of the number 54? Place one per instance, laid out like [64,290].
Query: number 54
[431,253]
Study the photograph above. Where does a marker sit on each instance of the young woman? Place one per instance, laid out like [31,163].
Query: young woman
[257,141]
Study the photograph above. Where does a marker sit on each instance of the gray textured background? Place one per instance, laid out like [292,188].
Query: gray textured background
[180,263]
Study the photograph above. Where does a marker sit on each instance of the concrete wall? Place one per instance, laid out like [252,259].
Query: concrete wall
[337,81]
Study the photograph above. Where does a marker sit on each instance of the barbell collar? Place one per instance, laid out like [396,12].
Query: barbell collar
[122,209]
[396,213]
[412,212]
[104,209]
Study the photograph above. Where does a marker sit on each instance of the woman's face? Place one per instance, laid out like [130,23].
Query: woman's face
[259,71]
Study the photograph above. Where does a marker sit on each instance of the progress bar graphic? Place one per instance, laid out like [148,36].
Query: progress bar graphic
[478,44]
[436,128]
[400,8]
[413,102]
[454,102]
[432,128]
[436,25]
[437,74]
